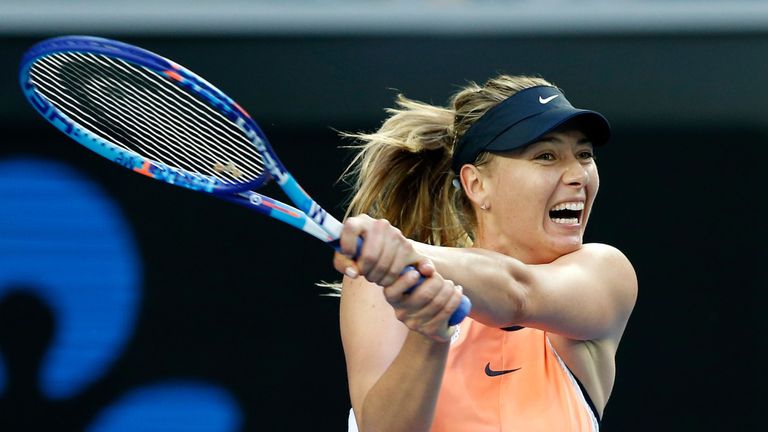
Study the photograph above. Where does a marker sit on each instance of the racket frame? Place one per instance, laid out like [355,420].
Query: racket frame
[308,215]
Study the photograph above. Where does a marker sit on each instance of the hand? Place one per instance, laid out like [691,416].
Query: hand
[427,308]
[384,255]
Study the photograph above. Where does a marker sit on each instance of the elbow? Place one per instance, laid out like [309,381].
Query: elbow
[507,310]
[516,300]
[516,296]
[500,293]
[513,307]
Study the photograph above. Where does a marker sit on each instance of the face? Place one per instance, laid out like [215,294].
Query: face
[539,198]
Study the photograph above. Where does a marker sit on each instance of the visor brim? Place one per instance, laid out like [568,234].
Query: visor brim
[593,124]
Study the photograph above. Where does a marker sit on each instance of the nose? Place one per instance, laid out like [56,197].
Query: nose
[575,174]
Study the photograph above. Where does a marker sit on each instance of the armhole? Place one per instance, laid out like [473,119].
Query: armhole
[352,426]
[585,395]
[586,400]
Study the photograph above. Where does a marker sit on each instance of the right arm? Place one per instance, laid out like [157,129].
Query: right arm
[395,358]
[394,373]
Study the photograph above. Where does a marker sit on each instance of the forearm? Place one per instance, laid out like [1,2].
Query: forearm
[496,284]
[405,396]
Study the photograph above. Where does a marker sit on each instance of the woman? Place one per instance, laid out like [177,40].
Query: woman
[494,194]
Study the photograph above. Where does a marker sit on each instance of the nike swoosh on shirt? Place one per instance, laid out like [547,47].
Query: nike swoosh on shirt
[546,100]
[492,373]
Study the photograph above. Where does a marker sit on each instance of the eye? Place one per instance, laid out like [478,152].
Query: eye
[586,155]
[547,156]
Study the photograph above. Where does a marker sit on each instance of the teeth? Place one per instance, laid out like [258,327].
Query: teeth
[567,221]
[576,206]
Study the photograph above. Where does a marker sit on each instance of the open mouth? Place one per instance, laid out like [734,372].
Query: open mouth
[567,213]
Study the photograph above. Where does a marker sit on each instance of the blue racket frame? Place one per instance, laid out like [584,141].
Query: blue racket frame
[308,216]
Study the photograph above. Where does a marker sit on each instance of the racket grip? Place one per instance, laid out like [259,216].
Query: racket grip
[458,315]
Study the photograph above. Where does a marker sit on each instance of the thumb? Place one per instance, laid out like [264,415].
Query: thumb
[425,267]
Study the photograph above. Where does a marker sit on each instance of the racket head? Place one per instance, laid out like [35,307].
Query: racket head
[146,113]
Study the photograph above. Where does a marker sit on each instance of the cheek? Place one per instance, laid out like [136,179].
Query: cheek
[524,195]
[594,180]
[592,187]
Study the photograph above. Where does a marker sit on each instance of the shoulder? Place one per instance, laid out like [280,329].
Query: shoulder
[600,252]
[614,275]
[611,263]
[607,276]
[604,262]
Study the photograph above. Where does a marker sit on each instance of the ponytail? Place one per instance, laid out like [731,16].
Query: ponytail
[402,173]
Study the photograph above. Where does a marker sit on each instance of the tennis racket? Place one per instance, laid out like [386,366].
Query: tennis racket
[159,119]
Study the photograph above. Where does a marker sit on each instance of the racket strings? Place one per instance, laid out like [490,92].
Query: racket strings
[113,125]
[147,116]
[109,127]
[162,154]
[176,115]
[145,113]
[179,151]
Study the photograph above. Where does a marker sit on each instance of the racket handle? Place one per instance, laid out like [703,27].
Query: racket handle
[458,315]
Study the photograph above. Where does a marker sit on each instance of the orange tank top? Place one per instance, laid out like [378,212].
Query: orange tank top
[498,380]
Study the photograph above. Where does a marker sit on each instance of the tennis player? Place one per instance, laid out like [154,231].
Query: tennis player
[491,196]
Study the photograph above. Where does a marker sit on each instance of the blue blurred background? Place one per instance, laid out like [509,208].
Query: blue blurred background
[126,304]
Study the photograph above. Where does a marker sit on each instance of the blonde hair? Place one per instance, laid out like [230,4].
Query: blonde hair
[402,172]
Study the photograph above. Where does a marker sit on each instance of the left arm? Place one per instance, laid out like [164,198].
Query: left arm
[585,295]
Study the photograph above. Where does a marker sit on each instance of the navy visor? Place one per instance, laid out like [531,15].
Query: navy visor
[523,119]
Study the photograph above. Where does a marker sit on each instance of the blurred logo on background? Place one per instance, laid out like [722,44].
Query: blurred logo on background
[70,291]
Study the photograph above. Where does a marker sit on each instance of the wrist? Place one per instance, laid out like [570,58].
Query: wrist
[442,337]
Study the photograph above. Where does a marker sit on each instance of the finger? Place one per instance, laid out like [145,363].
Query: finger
[438,327]
[402,251]
[426,293]
[395,293]
[373,246]
[432,319]
[382,272]
[434,302]
[425,266]
[404,254]
[449,307]
[410,303]
[353,228]
[344,264]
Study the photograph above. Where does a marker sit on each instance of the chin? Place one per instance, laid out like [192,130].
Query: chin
[557,247]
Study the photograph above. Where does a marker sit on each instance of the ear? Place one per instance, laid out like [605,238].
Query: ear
[474,183]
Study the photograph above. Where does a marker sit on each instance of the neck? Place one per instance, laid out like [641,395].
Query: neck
[489,238]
